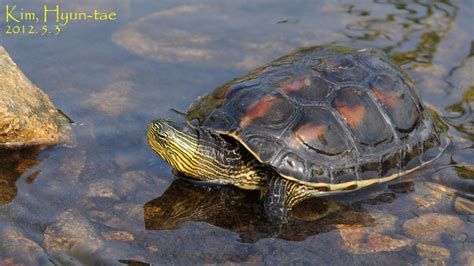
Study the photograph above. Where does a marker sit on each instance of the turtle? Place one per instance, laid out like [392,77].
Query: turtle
[319,121]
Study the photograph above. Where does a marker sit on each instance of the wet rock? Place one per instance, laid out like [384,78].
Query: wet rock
[360,241]
[432,254]
[119,236]
[27,115]
[72,233]
[430,227]
[464,206]
[17,249]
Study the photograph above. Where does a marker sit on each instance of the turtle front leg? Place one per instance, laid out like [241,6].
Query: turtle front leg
[275,199]
[282,195]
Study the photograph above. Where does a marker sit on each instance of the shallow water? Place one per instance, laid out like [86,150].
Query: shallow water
[111,200]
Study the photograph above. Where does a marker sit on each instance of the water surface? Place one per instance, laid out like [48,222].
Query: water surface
[111,200]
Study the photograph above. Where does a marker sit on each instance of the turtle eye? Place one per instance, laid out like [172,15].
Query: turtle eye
[161,135]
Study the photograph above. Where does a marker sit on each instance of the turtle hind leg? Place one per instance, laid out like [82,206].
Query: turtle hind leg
[282,195]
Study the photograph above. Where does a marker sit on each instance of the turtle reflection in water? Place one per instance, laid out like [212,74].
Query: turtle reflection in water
[236,210]
[316,122]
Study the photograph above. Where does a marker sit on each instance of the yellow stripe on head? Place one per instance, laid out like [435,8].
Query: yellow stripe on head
[175,143]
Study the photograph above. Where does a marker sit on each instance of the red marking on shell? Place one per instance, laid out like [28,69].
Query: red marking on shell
[353,114]
[307,133]
[257,110]
[387,97]
[296,84]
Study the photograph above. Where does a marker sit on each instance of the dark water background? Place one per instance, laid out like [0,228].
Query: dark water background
[112,199]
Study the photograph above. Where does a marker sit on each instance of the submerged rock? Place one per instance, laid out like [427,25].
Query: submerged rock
[72,233]
[360,241]
[118,236]
[159,37]
[17,249]
[430,227]
[464,206]
[102,188]
[27,115]
[432,254]
[466,258]
[113,99]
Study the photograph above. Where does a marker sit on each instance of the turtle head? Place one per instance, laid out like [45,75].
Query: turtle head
[175,142]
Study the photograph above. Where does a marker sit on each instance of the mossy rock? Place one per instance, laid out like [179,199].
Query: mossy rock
[27,115]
